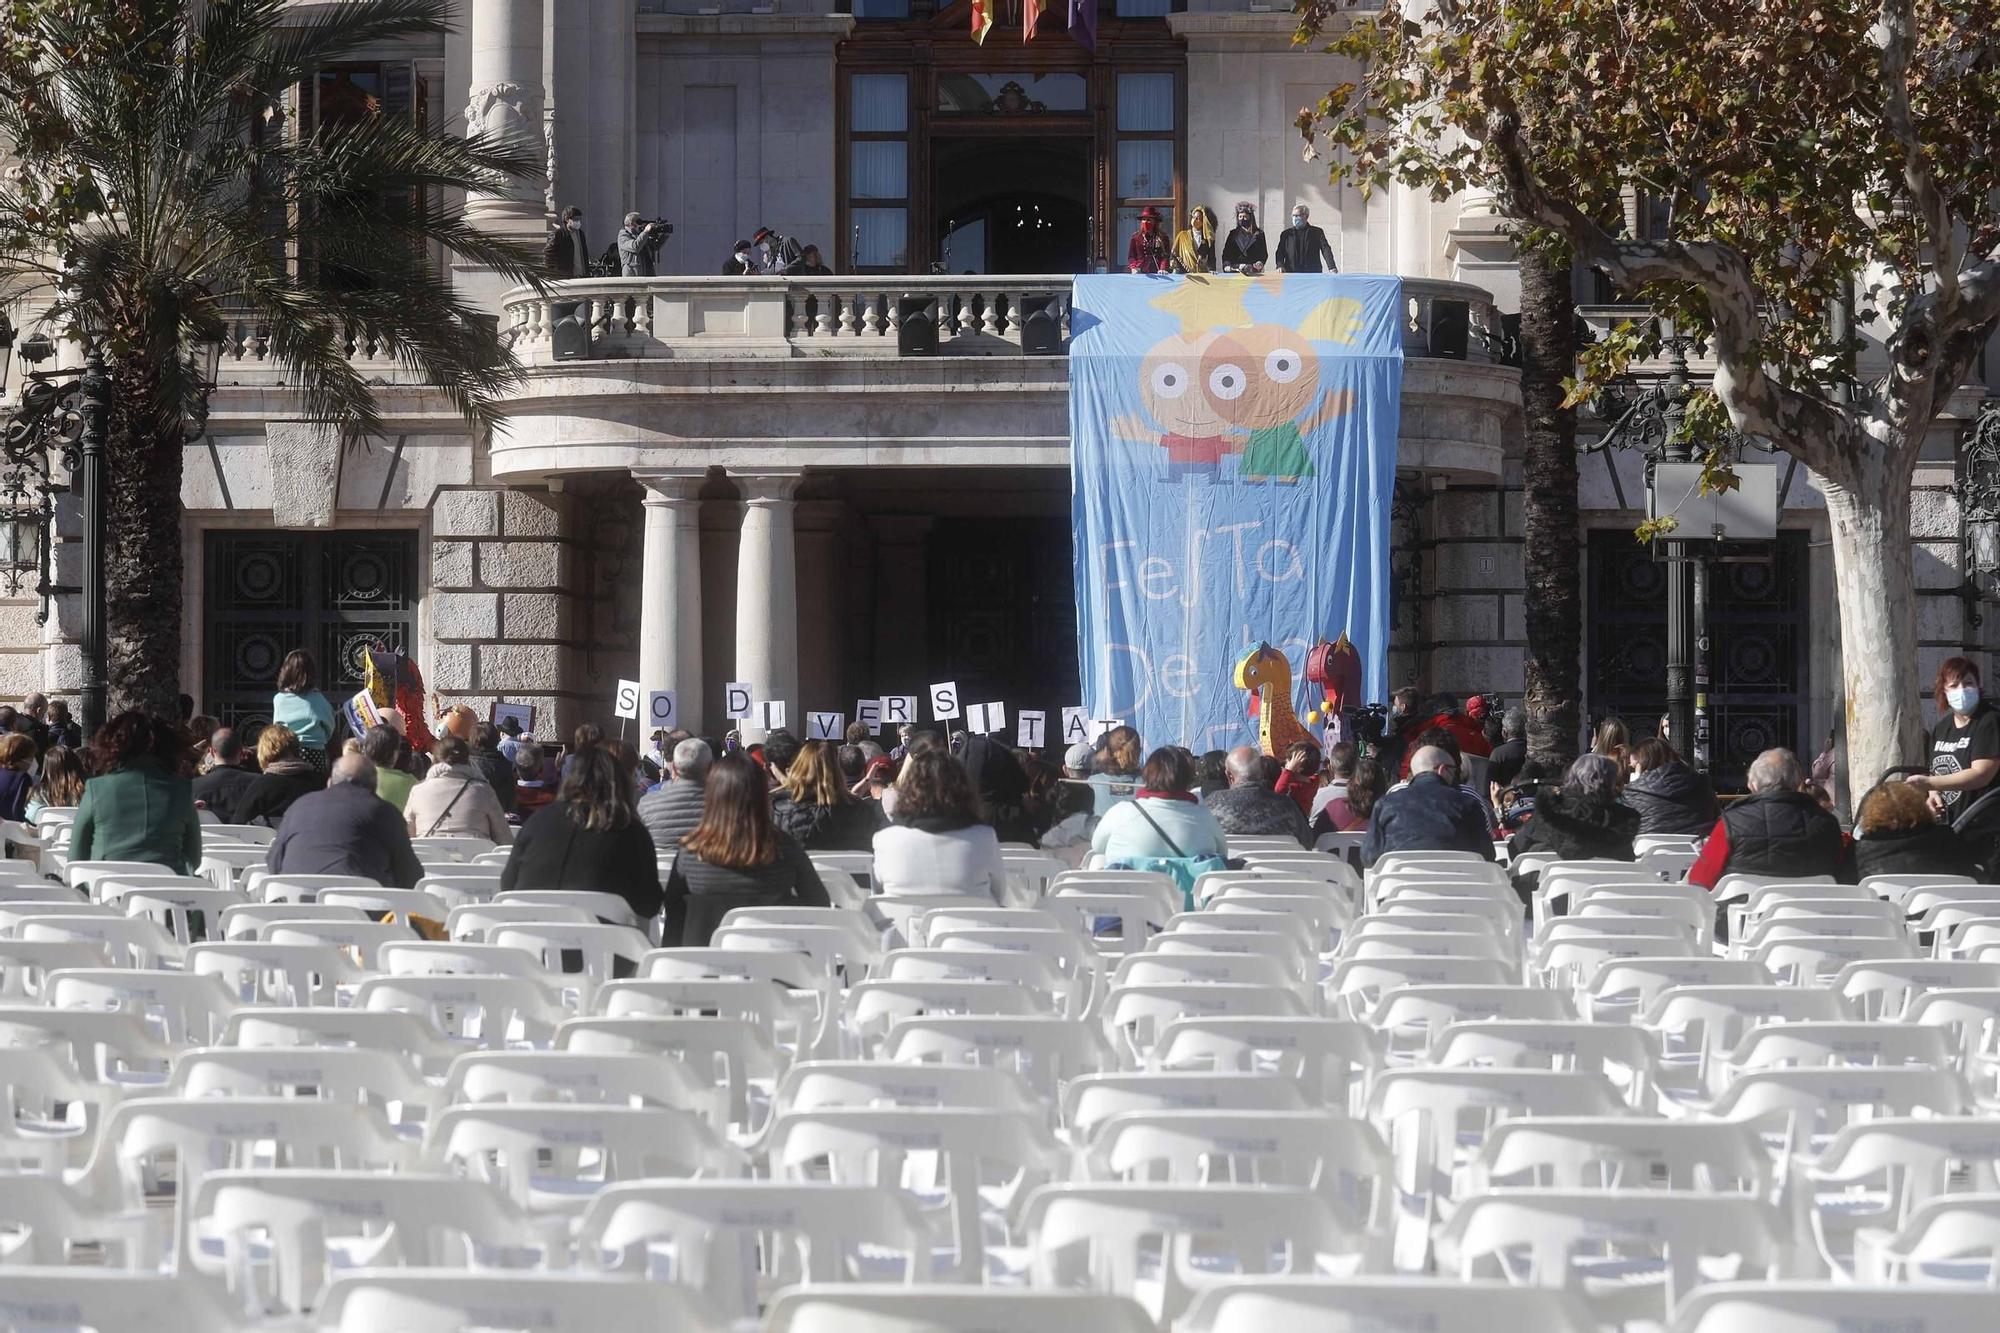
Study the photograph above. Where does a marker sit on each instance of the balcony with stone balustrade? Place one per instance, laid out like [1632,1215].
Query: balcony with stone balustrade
[692,372]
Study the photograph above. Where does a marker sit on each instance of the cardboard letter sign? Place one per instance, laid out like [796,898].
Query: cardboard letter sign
[771,714]
[944,701]
[868,712]
[825,726]
[663,711]
[899,709]
[1029,733]
[626,702]
[1076,726]
[736,700]
[986,719]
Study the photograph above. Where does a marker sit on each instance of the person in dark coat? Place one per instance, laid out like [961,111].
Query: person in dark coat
[495,767]
[589,838]
[566,254]
[1002,785]
[1669,796]
[1896,834]
[671,810]
[221,788]
[346,829]
[1776,830]
[815,806]
[287,775]
[1582,820]
[1302,247]
[17,759]
[735,857]
[1430,813]
[1244,249]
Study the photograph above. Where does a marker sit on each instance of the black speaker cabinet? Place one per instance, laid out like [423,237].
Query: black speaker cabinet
[1451,326]
[1041,325]
[569,339]
[916,326]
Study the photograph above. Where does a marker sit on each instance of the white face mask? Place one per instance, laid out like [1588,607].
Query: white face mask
[1962,698]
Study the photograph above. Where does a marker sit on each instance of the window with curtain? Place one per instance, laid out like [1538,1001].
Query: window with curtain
[881,9]
[1146,102]
[881,237]
[1148,120]
[878,170]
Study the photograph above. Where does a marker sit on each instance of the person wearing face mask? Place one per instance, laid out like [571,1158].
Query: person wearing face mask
[1147,251]
[1243,250]
[1429,813]
[1965,743]
[1194,248]
[1302,247]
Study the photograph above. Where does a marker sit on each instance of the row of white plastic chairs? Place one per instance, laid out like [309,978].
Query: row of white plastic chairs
[1477,1084]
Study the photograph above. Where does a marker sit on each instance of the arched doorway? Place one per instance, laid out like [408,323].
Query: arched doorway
[1012,205]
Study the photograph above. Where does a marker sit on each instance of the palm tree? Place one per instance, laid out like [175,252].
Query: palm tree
[157,193]
[1553,603]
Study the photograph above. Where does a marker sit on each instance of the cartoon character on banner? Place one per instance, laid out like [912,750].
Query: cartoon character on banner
[1229,384]
[1265,381]
[1187,425]
[1336,668]
[1265,672]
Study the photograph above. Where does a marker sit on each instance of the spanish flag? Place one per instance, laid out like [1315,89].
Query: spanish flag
[1031,10]
[982,19]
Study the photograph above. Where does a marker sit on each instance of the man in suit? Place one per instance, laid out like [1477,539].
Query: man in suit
[1302,247]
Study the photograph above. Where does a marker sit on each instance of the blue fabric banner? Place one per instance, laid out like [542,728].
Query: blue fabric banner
[1234,453]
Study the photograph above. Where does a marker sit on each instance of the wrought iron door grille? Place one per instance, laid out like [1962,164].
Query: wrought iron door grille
[331,593]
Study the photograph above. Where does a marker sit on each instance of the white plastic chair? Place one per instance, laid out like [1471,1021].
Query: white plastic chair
[584,1078]
[248,921]
[379,1301]
[879,1308]
[1364,1305]
[257,972]
[450,848]
[187,1009]
[606,907]
[729,1053]
[550,1158]
[362,939]
[1831,1307]
[304,888]
[1623,1152]
[1093,1235]
[400,1033]
[1046,1052]
[600,952]
[938,1154]
[95,1299]
[484,1010]
[1602,1243]
[130,941]
[275,1237]
[740,1242]
[228,865]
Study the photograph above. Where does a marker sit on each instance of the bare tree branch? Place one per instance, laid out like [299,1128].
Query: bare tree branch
[1895,29]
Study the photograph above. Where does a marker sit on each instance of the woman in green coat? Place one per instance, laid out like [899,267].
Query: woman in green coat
[139,807]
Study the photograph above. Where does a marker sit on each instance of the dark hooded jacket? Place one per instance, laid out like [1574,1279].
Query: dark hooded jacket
[1002,786]
[1931,849]
[1578,827]
[847,827]
[1672,798]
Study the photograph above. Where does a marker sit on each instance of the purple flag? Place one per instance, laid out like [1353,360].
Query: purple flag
[1083,22]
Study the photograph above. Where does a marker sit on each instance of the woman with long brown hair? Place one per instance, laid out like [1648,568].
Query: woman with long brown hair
[815,806]
[938,841]
[589,837]
[735,857]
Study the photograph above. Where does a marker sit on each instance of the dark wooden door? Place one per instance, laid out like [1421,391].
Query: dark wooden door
[332,594]
[1757,628]
[1003,612]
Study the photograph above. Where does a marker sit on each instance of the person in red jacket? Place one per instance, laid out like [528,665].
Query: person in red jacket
[1300,776]
[1147,251]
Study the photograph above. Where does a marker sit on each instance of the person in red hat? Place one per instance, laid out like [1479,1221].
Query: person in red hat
[1148,251]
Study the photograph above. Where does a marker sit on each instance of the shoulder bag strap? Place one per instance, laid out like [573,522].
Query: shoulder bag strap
[1140,807]
[463,784]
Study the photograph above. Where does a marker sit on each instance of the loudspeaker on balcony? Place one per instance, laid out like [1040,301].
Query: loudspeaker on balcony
[916,326]
[1041,326]
[1451,328]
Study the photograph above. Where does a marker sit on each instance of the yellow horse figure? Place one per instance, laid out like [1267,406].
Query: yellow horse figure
[1265,670]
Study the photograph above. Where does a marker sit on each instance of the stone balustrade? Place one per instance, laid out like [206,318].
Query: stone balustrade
[662,318]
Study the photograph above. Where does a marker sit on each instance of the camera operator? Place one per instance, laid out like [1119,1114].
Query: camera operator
[638,243]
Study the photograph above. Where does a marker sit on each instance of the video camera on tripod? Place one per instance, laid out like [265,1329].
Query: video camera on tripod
[607,265]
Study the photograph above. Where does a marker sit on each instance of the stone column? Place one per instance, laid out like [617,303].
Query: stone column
[670,591]
[505,102]
[767,594]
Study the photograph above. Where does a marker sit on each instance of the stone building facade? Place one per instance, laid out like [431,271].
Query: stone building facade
[744,480]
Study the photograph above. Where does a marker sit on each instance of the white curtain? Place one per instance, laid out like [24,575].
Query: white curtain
[1145,101]
[1145,168]
[881,237]
[881,103]
[878,169]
